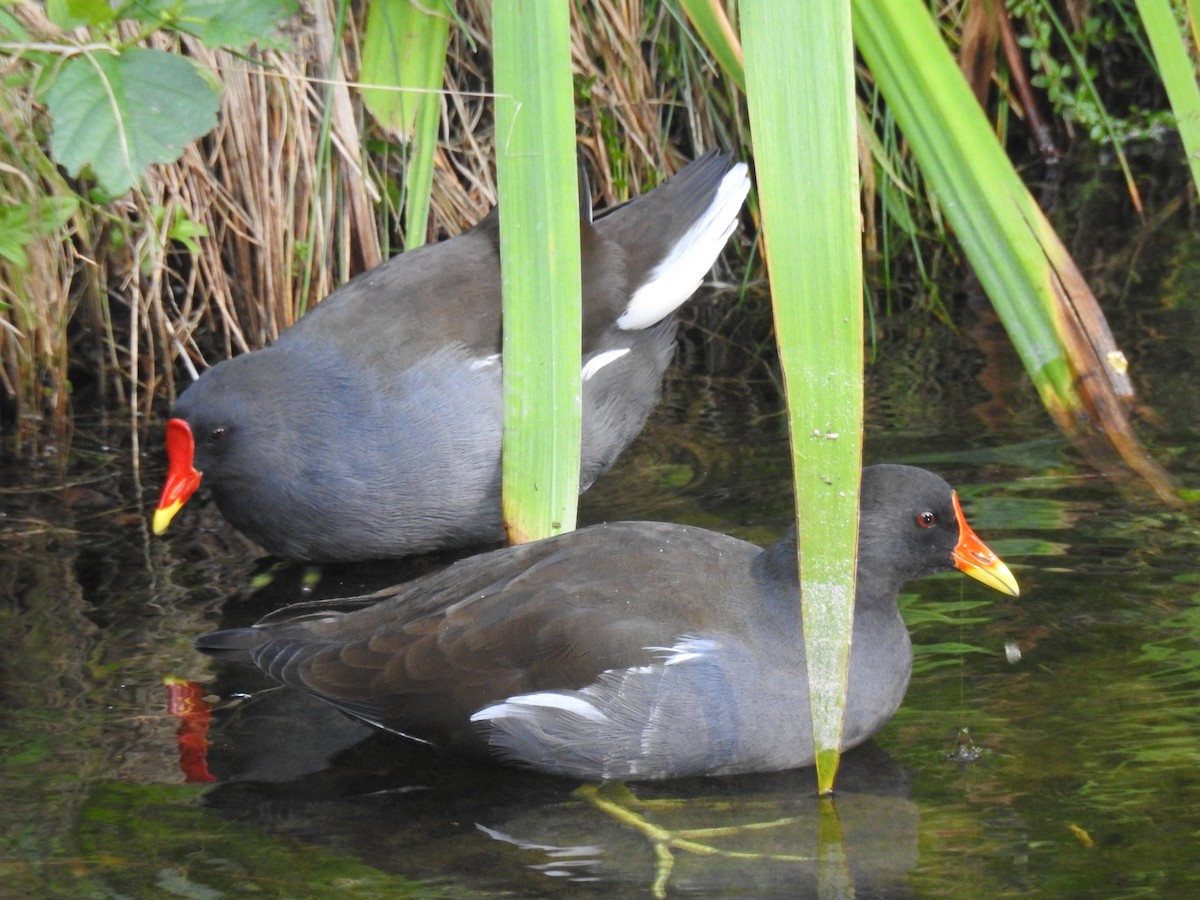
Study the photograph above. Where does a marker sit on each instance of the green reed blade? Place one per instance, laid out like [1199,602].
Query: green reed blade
[539,252]
[800,94]
[1178,70]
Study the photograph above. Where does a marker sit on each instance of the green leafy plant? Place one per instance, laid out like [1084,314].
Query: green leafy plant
[23,223]
[118,107]
[117,114]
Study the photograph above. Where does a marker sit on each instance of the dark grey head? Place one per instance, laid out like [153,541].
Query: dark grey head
[910,525]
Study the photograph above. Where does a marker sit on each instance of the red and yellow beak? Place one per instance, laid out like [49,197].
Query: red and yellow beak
[182,477]
[973,558]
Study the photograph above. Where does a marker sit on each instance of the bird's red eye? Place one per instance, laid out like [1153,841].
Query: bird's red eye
[927,519]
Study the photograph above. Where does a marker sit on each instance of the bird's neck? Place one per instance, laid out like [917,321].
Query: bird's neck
[779,566]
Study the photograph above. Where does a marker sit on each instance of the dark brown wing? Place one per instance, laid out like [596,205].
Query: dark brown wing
[515,621]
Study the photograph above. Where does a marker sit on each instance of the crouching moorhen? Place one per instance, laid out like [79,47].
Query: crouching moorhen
[372,427]
[634,650]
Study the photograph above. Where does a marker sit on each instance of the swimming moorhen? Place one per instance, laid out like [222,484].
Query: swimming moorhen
[371,428]
[635,650]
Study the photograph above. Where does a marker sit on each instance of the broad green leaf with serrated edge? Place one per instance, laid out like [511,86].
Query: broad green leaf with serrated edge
[120,114]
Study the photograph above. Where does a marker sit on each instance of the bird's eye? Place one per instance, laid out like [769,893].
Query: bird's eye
[215,436]
[926,519]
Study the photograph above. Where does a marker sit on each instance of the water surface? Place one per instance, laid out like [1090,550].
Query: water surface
[1080,699]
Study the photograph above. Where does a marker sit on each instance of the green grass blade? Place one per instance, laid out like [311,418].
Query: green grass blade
[800,95]
[712,25]
[1178,71]
[404,53]
[539,252]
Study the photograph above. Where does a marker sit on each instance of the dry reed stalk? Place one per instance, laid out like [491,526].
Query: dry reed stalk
[464,179]
[280,234]
[35,298]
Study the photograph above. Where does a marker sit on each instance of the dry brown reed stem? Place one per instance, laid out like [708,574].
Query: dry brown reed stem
[280,234]
[35,298]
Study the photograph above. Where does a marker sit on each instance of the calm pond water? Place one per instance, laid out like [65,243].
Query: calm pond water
[1076,775]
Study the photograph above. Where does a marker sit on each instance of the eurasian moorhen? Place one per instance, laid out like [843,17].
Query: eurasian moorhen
[633,650]
[371,428]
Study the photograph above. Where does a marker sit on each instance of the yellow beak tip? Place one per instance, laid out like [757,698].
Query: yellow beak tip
[996,576]
[162,518]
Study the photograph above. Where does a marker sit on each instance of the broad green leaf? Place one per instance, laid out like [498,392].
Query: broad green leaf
[120,114]
[539,253]
[799,71]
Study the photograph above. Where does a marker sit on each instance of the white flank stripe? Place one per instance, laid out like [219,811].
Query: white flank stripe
[686,650]
[484,361]
[600,360]
[684,267]
[566,702]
